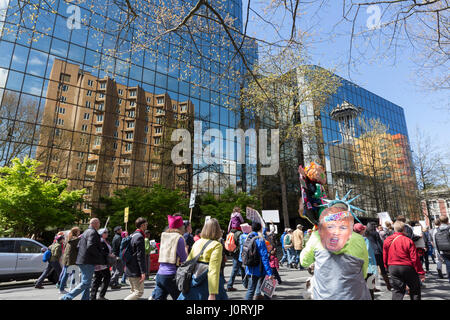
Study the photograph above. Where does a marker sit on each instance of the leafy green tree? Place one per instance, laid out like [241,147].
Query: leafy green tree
[30,205]
[154,204]
[221,207]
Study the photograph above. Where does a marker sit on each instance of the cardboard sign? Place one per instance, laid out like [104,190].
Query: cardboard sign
[127,211]
[271,215]
[192,200]
[268,286]
[384,216]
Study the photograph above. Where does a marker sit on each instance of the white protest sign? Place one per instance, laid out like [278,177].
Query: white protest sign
[423,223]
[271,215]
[384,216]
[192,200]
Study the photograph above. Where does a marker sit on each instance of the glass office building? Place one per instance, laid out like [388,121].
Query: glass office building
[364,147]
[84,96]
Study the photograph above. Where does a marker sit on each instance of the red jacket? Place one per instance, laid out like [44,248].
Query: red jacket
[402,252]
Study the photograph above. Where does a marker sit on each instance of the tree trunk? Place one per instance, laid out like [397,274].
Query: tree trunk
[284,196]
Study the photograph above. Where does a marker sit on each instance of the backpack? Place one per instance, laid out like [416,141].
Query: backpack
[442,239]
[250,254]
[126,253]
[230,243]
[287,241]
[47,255]
[186,270]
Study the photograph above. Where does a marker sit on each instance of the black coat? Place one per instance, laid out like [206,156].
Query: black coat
[375,242]
[136,266]
[90,248]
[115,244]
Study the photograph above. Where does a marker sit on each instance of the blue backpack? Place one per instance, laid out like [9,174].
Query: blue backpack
[125,253]
[47,255]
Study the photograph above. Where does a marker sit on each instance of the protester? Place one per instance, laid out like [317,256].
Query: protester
[339,255]
[148,250]
[124,234]
[197,234]
[69,257]
[89,255]
[102,275]
[297,241]
[387,231]
[284,258]
[442,242]
[377,246]
[172,251]
[188,238]
[274,265]
[439,259]
[117,268]
[246,230]
[206,283]
[401,259]
[256,273]
[306,237]
[424,258]
[408,229]
[372,269]
[429,243]
[135,267]
[53,264]
[237,265]
[290,250]
[236,219]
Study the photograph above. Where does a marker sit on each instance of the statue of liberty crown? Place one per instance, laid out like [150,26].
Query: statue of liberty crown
[329,203]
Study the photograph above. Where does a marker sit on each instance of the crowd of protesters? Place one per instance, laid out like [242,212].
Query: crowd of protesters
[346,257]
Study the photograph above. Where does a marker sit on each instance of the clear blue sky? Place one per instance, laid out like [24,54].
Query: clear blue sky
[393,80]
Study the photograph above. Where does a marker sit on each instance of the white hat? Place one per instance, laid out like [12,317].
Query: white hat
[102,231]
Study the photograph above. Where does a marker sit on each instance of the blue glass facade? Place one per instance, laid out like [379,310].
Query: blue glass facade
[76,36]
[364,146]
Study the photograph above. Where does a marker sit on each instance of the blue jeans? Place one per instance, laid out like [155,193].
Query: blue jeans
[87,272]
[285,256]
[447,264]
[165,285]
[64,277]
[237,266]
[254,287]
[291,255]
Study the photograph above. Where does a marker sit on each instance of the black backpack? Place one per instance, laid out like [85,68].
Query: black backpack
[186,270]
[250,253]
[442,239]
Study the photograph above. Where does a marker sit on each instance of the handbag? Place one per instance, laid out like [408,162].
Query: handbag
[186,270]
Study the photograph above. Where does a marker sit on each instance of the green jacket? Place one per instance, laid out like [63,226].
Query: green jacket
[56,249]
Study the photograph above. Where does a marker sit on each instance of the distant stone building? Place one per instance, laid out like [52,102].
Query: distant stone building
[103,135]
[438,204]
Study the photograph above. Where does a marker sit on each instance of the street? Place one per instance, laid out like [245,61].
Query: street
[292,288]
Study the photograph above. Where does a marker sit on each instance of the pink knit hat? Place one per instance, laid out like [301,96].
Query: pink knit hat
[175,222]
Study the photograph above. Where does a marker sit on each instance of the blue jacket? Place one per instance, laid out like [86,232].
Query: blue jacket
[282,239]
[264,266]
